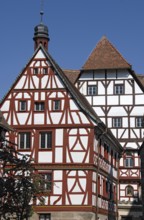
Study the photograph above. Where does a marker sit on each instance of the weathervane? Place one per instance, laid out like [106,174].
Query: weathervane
[41,12]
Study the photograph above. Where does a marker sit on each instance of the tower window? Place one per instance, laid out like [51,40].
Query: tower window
[39,106]
[92,90]
[117,122]
[119,89]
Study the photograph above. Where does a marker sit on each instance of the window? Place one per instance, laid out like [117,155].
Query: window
[45,70]
[39,106]
[24,140]
[117,122]
[129,190]
[56,105]
[139,122]
[46,181]
[36,70]
[45,217]
[92,90]
[129,162]
[119,89]
[46,140]
[23,105]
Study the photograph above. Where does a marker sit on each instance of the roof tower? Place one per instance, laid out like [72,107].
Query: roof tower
[41,35]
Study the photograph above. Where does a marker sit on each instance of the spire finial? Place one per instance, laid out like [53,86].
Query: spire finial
[41,12]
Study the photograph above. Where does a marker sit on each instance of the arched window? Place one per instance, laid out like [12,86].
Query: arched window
[129,190]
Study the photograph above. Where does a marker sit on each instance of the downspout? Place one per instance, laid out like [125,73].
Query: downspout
[97,172]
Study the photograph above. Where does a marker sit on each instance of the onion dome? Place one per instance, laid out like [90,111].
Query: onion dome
[41,35]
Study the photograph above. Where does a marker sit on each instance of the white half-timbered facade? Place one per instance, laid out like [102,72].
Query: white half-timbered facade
[117,96]
[70,146]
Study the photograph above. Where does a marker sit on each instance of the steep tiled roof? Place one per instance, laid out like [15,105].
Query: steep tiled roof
[141,78]
[72,75]
[105,56]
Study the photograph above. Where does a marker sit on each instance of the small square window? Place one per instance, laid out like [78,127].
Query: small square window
[46,140]
[117,122]
[23,105]
[119,89]
[92,90]
[39,106]
[45,70]
[24,140]
[35,70]
[45,217]
[139,122]
[56,105]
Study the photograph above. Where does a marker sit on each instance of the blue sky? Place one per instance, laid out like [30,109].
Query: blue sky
[75,27]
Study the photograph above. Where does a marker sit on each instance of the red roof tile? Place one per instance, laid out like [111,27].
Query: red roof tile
[72,75]
[105,56]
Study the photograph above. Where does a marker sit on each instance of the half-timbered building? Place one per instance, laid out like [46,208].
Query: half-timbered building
[116,94]
[70,146]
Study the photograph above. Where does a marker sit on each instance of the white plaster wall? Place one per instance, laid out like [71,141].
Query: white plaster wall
[59,137]
[58,155]
[99,100]
[101,89]
[45,157]
[126,100]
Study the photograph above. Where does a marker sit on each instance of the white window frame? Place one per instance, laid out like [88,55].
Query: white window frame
[45,70]
[119,89]
[56,105]
[139,122]
[47,143]
[39,106]
[44,216]
[117,122]
[129,162]
[24,140]
[92,90]
[35,70]
[23,105]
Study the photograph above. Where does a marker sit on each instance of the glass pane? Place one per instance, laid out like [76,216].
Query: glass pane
[42,140]
[21,136]
[49,140]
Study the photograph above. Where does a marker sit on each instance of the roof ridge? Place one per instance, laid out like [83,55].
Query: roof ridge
[105,56]
[114,47]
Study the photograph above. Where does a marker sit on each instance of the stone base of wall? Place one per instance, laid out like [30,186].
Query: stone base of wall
[72,216]
[133,211]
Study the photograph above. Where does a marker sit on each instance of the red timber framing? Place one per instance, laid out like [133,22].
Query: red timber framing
[66,139]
